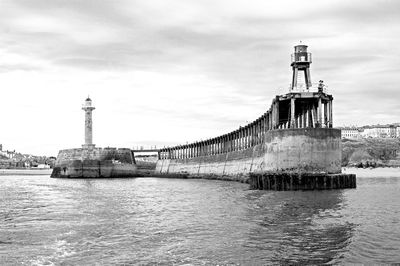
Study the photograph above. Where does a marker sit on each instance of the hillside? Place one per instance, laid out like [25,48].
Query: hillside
[371,152]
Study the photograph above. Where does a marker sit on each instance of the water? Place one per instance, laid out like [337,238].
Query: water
[47,221]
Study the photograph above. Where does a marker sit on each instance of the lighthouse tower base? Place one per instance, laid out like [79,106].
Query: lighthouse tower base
[88,146]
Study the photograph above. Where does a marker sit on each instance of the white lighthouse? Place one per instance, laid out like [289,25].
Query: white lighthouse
[88,108]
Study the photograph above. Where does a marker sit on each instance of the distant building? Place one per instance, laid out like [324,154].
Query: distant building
[393,131]
[387,131]
[350,133]
[374,131]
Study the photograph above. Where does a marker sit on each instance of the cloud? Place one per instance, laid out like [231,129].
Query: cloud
[184,70]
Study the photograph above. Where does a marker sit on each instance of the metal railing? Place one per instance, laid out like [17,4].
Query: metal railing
[303,88]
[301,57]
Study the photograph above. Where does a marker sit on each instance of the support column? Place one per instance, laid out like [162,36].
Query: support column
[270,119]
[252,135]
[292,113]
[277,113]
[225,143]
[319,112]
[255,132]
[235,141]
[273,116]
[245,137]
[326,115]
[240,139]
[330,114]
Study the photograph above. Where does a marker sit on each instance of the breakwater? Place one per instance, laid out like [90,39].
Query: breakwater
[307,154]
[95,162]
[294,137]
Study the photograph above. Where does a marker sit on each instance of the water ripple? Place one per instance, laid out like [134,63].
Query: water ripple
[151,221]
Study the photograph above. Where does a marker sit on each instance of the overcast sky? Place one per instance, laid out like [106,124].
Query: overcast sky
[175,71]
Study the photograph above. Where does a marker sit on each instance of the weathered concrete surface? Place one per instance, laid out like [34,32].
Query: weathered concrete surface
[94,162]
[305,150]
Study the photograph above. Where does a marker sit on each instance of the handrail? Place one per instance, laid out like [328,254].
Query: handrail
[303,88]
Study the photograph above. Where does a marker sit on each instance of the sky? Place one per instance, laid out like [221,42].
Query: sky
[167,72]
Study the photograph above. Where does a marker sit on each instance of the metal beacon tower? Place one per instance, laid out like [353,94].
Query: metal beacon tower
[301,61]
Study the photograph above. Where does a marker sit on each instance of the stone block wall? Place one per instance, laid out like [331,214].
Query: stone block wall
[122,155]
[96,162]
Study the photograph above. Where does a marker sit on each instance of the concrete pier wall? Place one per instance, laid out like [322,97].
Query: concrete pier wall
[95,162]
[306,150]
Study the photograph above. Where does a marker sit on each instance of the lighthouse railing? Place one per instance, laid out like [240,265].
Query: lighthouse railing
[301,57]
[303,88]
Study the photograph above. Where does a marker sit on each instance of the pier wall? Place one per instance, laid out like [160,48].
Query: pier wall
[95,162]
[305,150]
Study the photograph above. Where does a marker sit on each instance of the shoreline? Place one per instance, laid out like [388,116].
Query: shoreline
[28,171]
[372,172]
[360,172]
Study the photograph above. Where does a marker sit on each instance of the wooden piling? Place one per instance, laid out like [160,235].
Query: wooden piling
[301,181]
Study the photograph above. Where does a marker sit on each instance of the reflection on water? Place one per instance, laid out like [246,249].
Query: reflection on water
[302,227]
[47,221]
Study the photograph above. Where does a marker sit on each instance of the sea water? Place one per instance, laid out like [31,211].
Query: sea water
[148,221]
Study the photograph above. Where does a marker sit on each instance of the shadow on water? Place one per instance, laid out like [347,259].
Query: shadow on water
[303,227]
